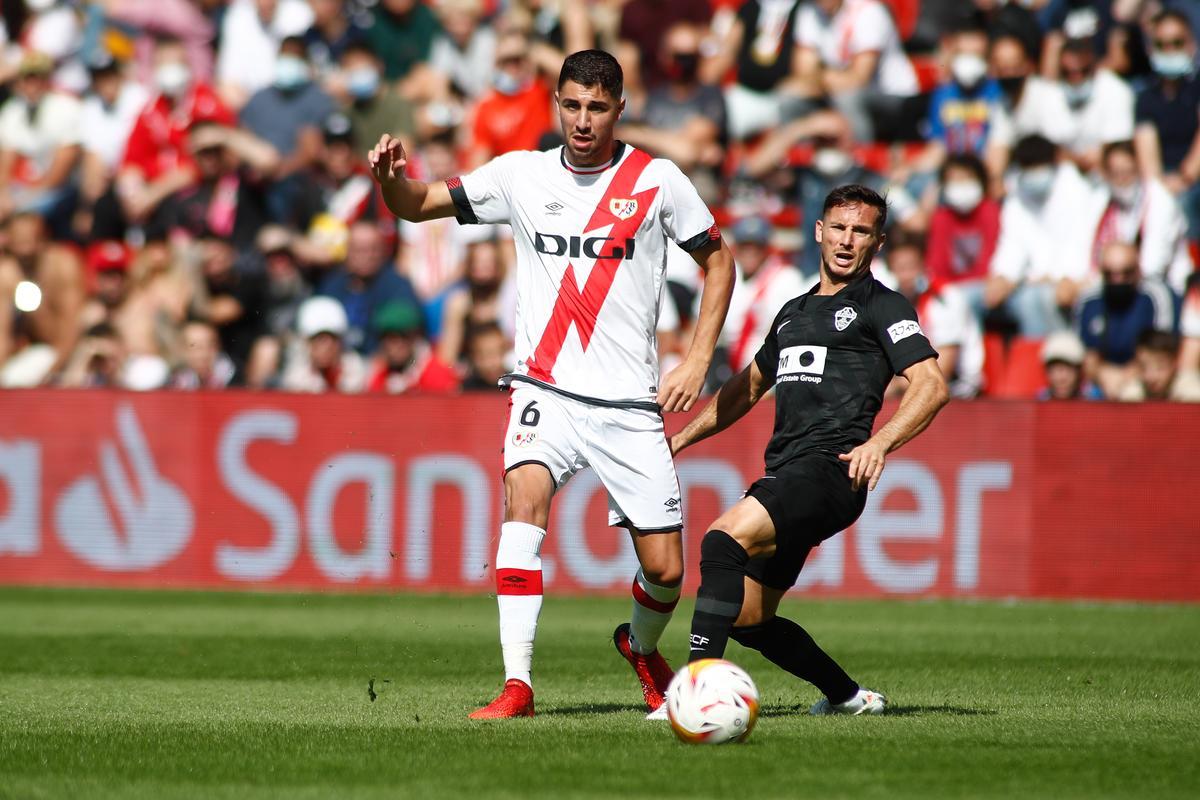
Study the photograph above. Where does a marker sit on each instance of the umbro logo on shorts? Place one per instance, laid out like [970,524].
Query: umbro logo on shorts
[672,503]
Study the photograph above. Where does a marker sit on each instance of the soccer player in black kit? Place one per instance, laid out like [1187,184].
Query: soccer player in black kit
[830,354]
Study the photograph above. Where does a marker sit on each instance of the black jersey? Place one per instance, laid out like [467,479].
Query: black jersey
[831,358]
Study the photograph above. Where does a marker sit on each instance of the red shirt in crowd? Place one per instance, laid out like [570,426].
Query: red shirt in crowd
[960,247]
[158,142]
[506,122]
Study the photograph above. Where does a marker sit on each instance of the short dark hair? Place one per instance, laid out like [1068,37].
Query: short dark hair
[906,240]
[1163,342]
[1111,148]
[1034,151]
[853,194]
[1079,47]
[967,161]
[593,68]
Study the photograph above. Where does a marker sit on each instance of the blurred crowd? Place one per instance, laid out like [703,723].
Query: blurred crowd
[184,200]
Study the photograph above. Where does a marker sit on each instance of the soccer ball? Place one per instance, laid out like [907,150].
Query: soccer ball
[712,701]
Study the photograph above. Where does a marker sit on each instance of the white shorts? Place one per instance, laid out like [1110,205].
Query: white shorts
[626,446]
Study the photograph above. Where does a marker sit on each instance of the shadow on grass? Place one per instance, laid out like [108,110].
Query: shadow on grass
[892,711]
[592,708]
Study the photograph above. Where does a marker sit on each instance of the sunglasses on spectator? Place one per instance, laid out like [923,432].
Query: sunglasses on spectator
[1170,44]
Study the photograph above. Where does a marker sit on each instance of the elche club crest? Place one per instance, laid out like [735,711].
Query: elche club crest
[843,317]
[623,207]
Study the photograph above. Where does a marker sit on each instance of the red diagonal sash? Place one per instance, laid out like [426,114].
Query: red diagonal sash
[583,307]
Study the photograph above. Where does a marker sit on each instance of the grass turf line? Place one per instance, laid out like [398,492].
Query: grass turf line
[174,694]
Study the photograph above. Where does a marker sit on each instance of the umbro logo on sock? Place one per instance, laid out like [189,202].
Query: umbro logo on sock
[514,579]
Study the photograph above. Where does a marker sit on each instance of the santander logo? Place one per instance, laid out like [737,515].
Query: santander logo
[153,520]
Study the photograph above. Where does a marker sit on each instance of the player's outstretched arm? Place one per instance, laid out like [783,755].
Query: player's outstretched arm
[927,393]
[412,200]
[682,385]
[731,402]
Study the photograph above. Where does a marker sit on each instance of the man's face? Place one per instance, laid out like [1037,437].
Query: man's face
[1120,170]
[483,266]
[110,287]
[970,43]
[200,348]
[397,349]
[26,237]
[849,238]
[908,266]
[1119,266]
[440,161]
[364,252]
[486,355]
[1157,371]
[1171,36]
[340,159]
[681,54]
[750,256]
[107,86]
[588,115]
[32,88]
[1063,379]
[1009,59]
[1077,68]
[216,257]
[324,351]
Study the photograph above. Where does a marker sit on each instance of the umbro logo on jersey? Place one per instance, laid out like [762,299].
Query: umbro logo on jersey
[674,501]
[623,207]
[843,318]
[554,208]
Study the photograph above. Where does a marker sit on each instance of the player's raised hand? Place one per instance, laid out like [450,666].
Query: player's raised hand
[387,159]
[682,386]
[866,464]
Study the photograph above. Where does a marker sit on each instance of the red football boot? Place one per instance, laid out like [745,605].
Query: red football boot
[653,671]
[515,701]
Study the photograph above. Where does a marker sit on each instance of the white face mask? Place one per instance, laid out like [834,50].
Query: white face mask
[832,161]
[172,78]
[1035,184]
[1078,94]
[1125,196]
[963,196]
[968,69]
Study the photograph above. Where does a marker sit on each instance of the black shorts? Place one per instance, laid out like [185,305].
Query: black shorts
[809,499]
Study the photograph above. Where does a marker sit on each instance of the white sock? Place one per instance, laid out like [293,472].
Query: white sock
[653,606]
[519,595]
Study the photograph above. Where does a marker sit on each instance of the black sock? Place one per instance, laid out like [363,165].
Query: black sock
[787,645]
[719,600]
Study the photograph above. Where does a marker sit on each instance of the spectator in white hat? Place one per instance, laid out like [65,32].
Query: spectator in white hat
[321,363]
[1062,359]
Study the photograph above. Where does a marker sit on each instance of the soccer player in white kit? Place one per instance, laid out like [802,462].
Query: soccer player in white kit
[591,221]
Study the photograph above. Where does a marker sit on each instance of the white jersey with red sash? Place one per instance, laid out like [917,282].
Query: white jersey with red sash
[591,261]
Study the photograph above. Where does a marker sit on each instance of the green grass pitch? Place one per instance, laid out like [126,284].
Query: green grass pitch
[158,694]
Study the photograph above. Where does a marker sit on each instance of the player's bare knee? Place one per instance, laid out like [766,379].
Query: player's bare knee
[666,571]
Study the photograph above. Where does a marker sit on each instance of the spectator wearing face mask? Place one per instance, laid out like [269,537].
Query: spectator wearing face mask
[1032,105]
[373,107]
[1112,319]
[1062,362]
[1042,256]
[963,230]
[288,113]
[1100,104]
[1157,375]
[963,109]
[1167,137]
[1141,211]
[682,119]
[515,113]
[158,161]
[251,33]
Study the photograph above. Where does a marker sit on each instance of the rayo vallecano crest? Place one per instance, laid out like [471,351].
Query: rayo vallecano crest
[843,317]
[622,208]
